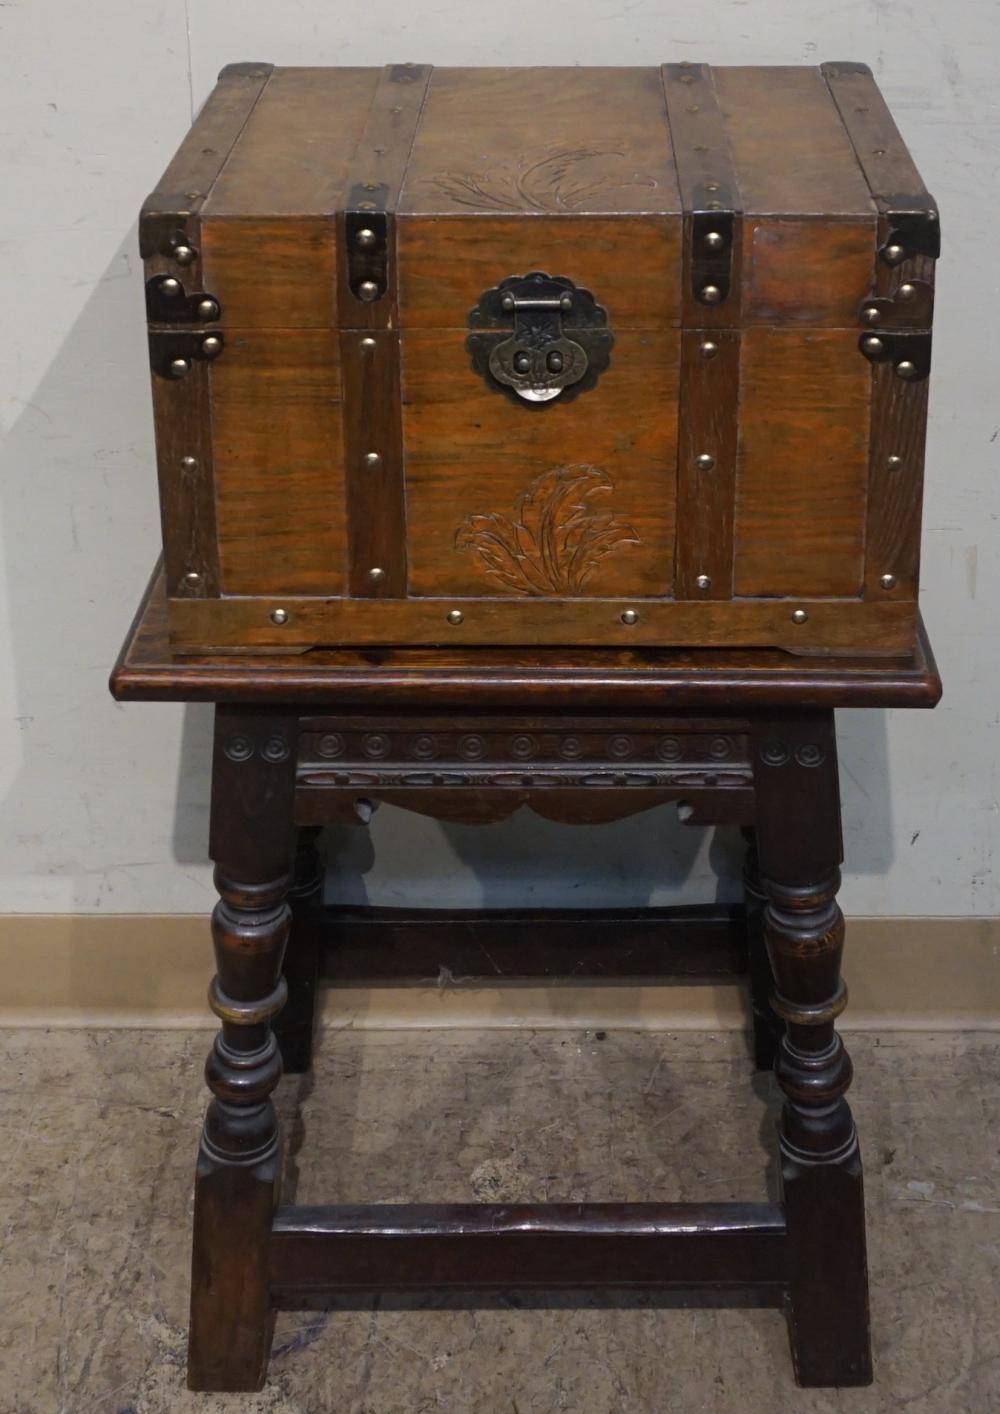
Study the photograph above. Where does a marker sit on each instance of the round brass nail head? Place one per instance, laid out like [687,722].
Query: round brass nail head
[372,460]
[906,369]
[799,616]
[376,575]
[874,345]
[710,294]
[366,238]
[894,462]
[184,254]
[208,309]
[895,254]
[704,581]
[871,314]
[368,343]
[708,349]
[179,368]
[368,290]
[629,617]
[888,581]
[171,287]
[211,346]
[189,463]
[192,579]
[704,462]
[279,616]
[456,617]
[715,240]
[906,291]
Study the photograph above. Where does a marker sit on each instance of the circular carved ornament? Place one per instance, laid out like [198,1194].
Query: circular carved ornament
[424,748]
[571,748]
[774,753]
[523,747]
[619,747]
[376,745]
[668,748]
[330,745]
[471,748]
[720,748]
[809,754]
[276,748]
[239,748]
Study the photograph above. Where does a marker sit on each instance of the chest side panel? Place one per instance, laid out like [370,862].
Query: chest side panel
[270,256]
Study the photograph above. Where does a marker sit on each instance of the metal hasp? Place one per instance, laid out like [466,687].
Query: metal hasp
[539,337]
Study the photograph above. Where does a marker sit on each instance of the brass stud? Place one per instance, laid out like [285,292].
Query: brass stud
[799,616]
[629,617]
[185,254]
[189,463]
[507,303]
[368,290]
[370,186]
[705,461]
[279,616]
[906,369]
[871,314]
[372,460]
[368,344]
[179,368]
[704,581]
[715,240]
[894,462]
[456,617]
[894,254]
[712,186]
[365,238]
[874,345]
[376,575]
[171,287]
[888,581]
[208,309]
[366,206]
[192,579]
[710,294]
[211,345]
[906,291]
[709,349]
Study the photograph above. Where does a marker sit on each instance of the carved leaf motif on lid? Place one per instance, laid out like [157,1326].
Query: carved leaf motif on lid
[549,178]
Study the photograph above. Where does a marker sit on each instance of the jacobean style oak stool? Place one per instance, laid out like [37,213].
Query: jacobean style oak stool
[742,737]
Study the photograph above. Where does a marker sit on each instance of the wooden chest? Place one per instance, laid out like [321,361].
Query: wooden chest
[535,356]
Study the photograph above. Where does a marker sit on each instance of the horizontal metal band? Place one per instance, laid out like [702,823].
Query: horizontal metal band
[294,623]
[564,1245]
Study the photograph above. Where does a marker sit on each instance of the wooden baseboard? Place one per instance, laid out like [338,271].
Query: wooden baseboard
[124,970]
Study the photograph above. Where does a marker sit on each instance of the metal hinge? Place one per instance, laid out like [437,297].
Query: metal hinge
[167,302]
[172,352]
[908,352]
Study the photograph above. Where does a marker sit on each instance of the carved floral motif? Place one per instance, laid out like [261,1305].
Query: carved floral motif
[544,178]
[557,538]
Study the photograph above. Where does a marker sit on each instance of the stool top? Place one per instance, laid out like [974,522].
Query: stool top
[668,679]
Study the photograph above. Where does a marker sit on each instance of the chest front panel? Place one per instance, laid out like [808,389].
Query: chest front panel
[541,356]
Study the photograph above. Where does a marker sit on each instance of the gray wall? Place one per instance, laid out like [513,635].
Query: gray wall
[104,807]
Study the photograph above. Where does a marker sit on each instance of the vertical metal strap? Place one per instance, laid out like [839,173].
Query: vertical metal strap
[710,343]
[369,340]
[900,311]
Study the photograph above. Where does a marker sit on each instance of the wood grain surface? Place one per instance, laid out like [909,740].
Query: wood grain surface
[802,464]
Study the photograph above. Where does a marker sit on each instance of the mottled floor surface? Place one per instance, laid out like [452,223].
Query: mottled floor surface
[98,1135]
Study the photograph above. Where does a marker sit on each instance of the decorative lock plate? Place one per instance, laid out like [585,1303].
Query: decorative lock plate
[537,338]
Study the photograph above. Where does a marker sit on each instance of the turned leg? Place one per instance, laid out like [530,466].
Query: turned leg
[236,1184]
[799,848]
[767,1027]
[295,1023]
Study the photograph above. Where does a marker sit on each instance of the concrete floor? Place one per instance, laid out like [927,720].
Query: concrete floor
[98,1134]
